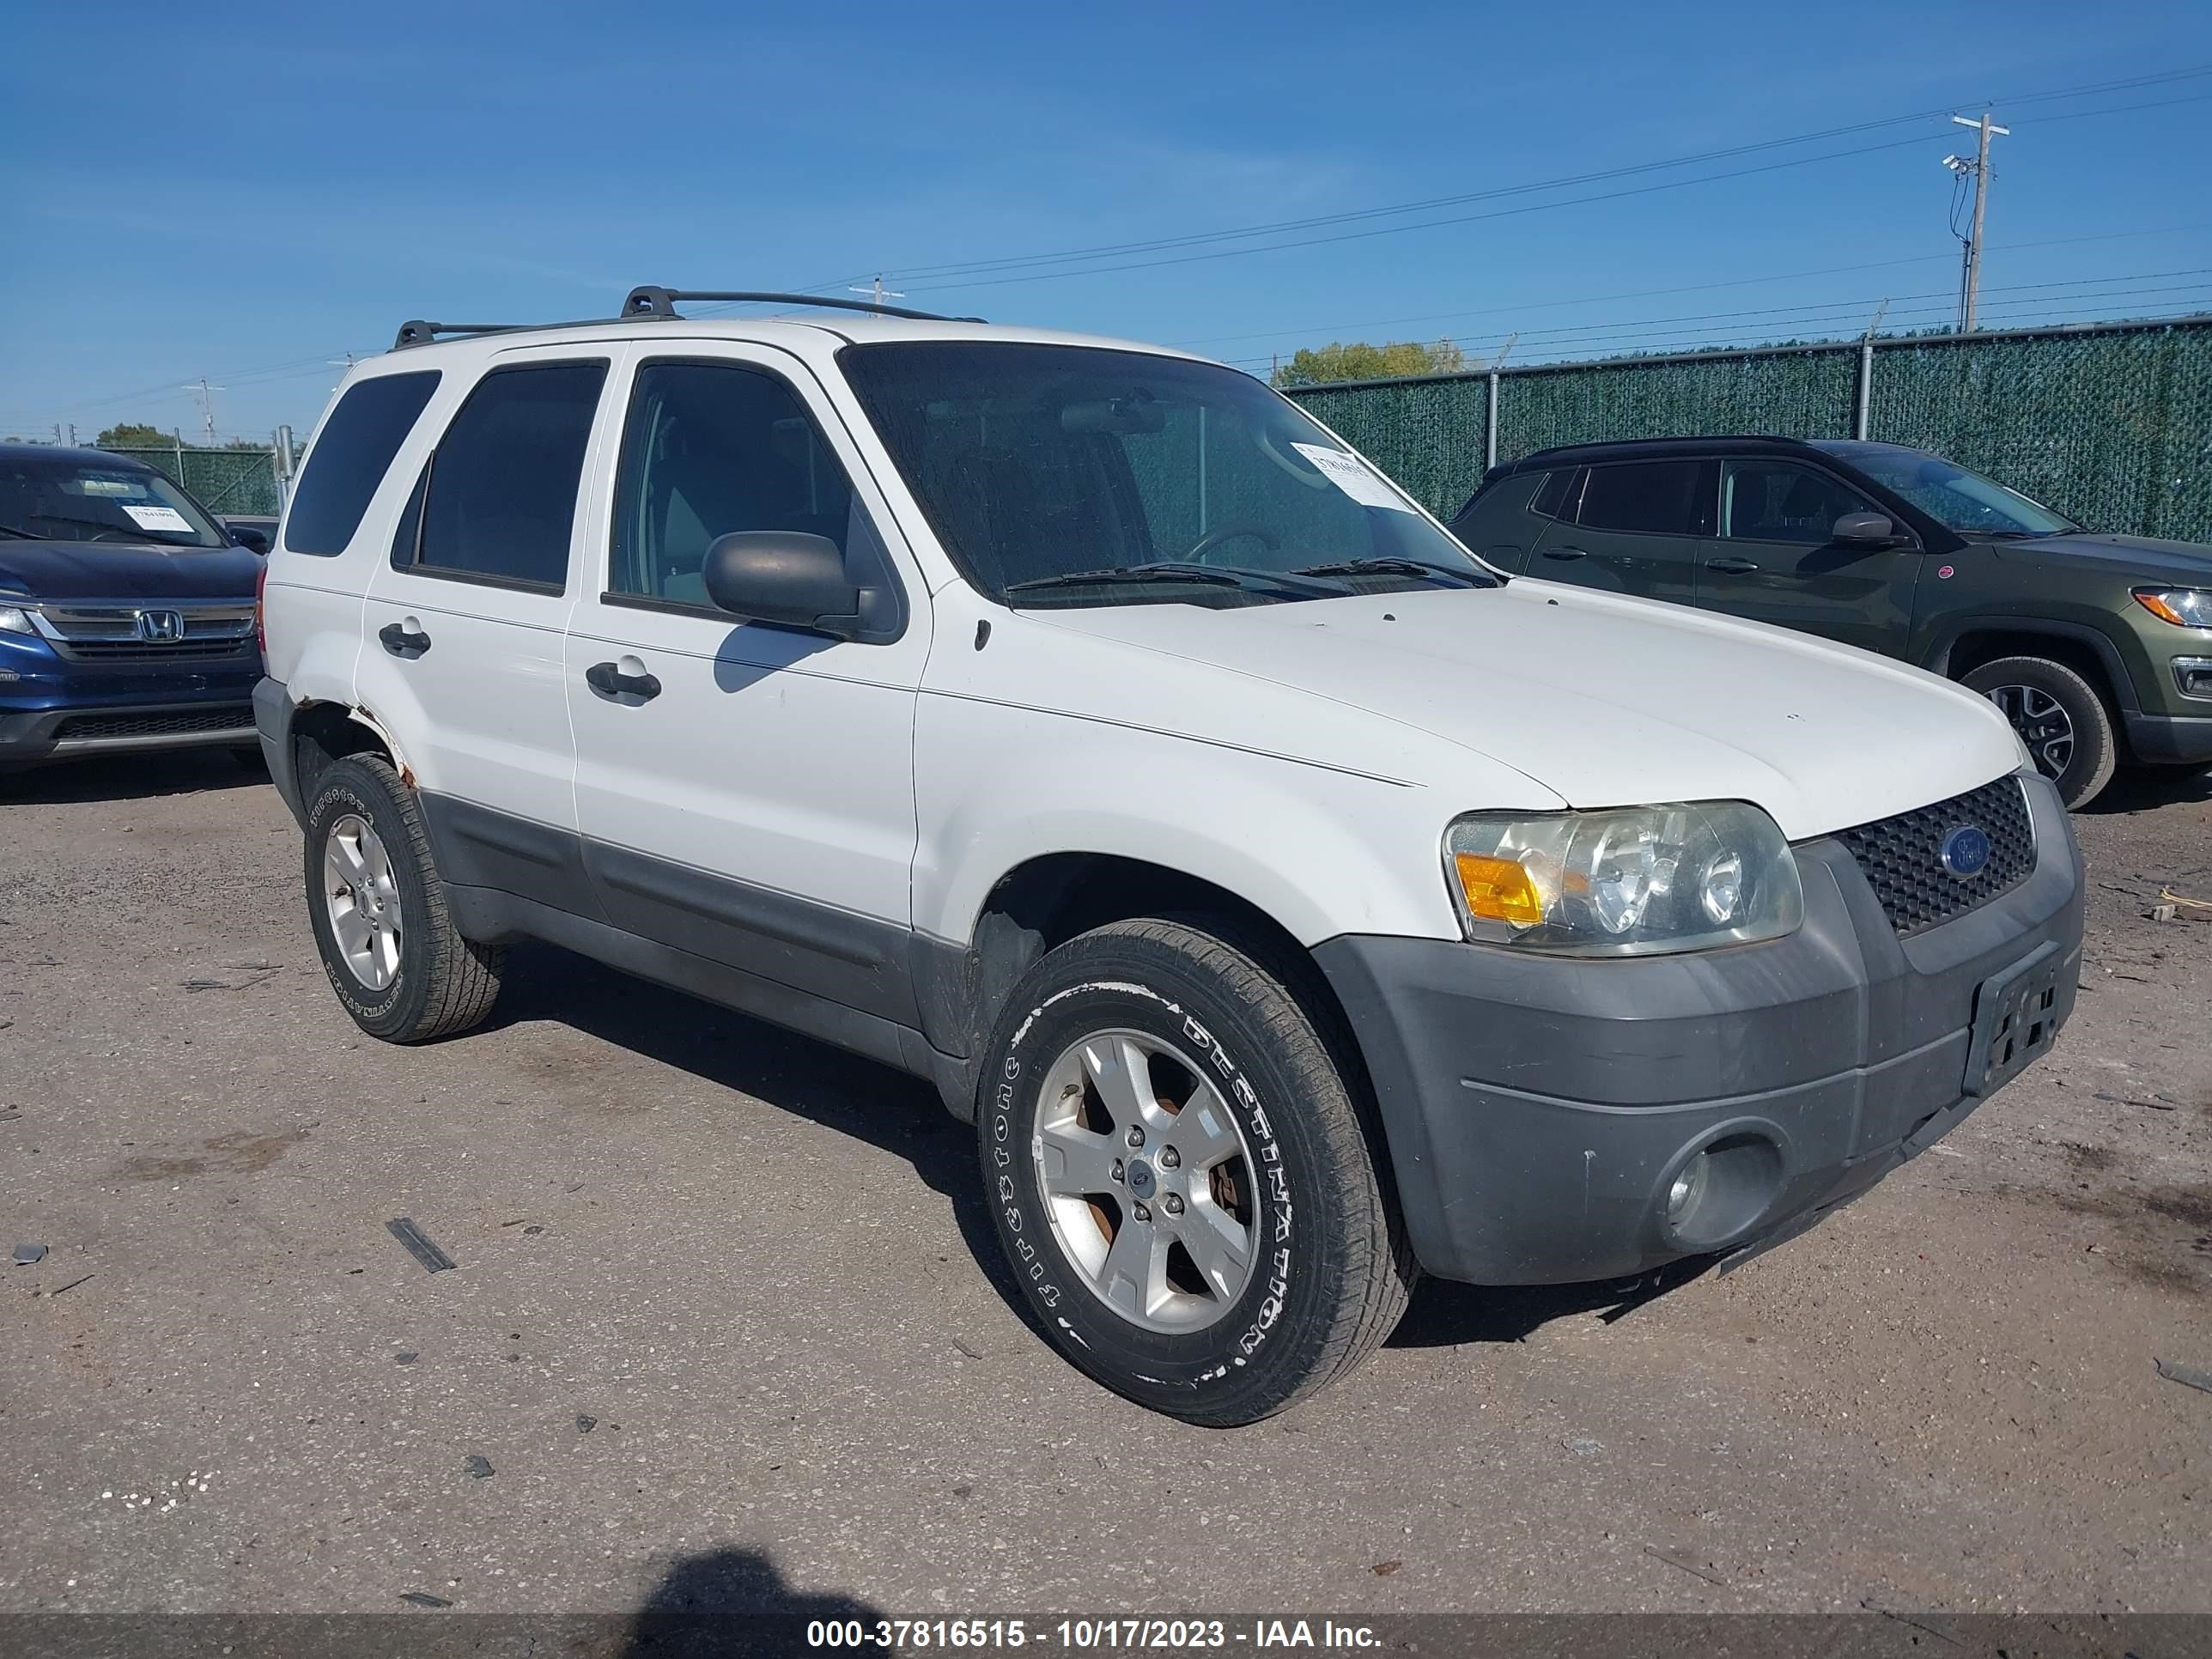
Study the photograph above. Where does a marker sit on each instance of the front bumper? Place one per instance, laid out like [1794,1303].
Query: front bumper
[2169,739]
[1538,1109]
[28,736]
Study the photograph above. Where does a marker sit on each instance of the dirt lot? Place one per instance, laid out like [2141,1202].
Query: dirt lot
[719,1324]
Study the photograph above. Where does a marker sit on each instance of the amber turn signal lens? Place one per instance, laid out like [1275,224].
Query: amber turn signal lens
[2156,604]
[1499,889]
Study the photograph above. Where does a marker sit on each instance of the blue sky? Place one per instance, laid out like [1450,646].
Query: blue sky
[241,192]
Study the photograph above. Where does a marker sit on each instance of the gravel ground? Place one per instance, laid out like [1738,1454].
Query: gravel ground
[719,1325]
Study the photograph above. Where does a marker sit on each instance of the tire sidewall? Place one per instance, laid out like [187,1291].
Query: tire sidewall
[1098,984]
[350,788]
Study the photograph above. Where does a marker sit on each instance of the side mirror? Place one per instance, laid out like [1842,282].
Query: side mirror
[240,536]
[1865,529]
[783,576]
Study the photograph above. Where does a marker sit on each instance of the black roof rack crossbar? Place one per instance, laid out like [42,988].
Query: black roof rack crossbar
[661,302]
[647,302]
[418,332]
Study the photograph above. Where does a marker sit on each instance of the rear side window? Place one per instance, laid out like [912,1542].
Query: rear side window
[1659,498]
[499,503]
[356,445]
[1551,494]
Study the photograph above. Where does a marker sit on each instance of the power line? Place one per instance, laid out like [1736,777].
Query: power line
[1517,311]
[1568,181]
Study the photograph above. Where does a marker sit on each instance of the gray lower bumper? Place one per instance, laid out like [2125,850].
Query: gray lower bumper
[2186,739]
[273,723]
[1538,1109]
[71,733]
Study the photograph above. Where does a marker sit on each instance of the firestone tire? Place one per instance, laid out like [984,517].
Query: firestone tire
[439,983]
[1228,1054]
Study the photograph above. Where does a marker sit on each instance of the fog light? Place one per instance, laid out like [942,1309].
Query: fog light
[1689,1187]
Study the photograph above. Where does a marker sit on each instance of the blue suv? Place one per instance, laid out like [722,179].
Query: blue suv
[127,615]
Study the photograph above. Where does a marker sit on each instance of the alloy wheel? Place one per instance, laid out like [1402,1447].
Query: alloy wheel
[361,899]
[1146,1179]
[2042,722]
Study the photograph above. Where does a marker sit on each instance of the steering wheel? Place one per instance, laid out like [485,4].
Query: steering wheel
[1229,533]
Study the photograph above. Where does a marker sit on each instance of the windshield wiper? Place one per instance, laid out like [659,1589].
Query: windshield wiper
[1171,570]
[1399,566]
[26,535]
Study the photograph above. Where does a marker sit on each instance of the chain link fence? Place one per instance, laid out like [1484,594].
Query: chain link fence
[2111,422]
[243,481]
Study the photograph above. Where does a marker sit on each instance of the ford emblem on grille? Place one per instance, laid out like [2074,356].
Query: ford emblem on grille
[160,627]
[1965,851]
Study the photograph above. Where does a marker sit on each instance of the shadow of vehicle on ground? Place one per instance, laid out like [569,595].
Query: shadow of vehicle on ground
[731,1602]
[903,1115]
[130,777]
[2146,788]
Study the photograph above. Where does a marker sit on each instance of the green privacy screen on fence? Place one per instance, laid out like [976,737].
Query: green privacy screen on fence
[2112,423]
[221,480]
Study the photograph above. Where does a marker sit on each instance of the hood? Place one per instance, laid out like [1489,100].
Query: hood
[1606,700]
[126,570]
[2143,558]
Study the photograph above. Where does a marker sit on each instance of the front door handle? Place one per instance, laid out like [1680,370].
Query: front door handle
[609,680]
[404,639]
[1731,566]
[1565,553]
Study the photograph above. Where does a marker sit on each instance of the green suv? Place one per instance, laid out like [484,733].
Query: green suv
[2098,647]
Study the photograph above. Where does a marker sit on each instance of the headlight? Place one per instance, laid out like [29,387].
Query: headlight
[2185,607]
[1640,880]
[14,619]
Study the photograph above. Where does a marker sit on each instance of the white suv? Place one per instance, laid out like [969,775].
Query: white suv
[1293,902]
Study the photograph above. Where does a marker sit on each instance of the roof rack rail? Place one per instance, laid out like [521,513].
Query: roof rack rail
[416,332]
[661,302]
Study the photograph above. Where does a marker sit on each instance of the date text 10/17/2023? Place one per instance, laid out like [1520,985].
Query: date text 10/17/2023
[1085,1635]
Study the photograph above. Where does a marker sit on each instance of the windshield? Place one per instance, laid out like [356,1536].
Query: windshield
[1064,475]
[65,498]
[1955,497]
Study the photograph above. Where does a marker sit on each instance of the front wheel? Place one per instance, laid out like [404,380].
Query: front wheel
[377,909]
[1181,1179]
[2060,718]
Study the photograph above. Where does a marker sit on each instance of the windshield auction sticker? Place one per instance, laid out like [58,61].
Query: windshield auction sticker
[1353,476]
[157,518]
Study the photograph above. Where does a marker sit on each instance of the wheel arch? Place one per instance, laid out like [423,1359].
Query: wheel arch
[1051,898]
[2085,649]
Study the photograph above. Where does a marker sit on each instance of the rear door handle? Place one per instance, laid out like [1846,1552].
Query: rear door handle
[404,639]
[609,681]
[1731,566]
[1565,553]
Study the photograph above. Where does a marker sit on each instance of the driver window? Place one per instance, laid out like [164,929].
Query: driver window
[713,447]
[1784,501]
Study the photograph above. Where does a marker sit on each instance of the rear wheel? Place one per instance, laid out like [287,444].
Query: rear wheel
[2060,719]
[1181,1179]
[379,911]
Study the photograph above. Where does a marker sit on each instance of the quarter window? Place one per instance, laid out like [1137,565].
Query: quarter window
[1551,498]
[711,448]
[499,501]
[1784,501]
[350,457]
[1659,498]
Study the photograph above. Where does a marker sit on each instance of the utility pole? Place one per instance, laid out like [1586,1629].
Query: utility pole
[876,288]
[206,394]
[1970,280]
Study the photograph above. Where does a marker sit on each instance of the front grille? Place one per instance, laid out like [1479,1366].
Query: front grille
[186,650]
[113,632]
[82,727]
[1902,857]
